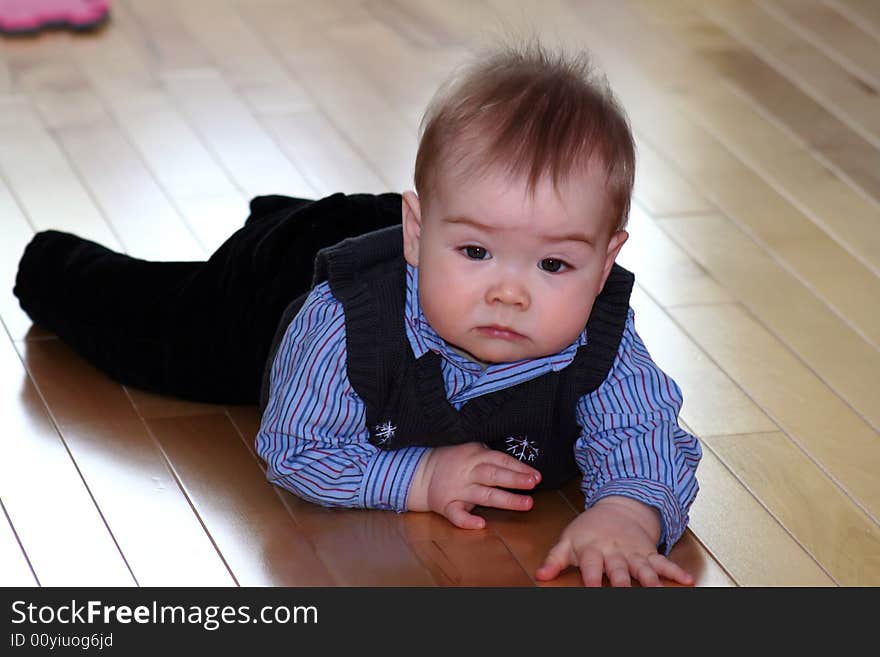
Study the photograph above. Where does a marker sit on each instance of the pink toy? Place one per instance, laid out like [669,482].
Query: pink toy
[27,16]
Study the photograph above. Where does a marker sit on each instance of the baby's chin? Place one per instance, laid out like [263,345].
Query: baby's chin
[495,352]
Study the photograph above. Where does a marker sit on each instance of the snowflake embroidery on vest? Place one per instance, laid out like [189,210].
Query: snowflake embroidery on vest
[522,448]
[385,432]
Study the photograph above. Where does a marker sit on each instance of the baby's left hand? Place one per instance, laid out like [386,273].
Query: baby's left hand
[616,536]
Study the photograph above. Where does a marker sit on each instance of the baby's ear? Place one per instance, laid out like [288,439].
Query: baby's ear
[412,227]
[618,239]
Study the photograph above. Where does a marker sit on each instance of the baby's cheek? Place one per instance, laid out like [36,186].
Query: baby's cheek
[439,304]
[563,319]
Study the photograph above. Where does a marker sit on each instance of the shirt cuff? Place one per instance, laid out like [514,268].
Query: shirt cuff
[654,494]
[388,478]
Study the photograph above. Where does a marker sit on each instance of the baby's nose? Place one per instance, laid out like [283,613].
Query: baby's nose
[509,292]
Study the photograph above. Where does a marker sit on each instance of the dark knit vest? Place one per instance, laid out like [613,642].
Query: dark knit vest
[405,397]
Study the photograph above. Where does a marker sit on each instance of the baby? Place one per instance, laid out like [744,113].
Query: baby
[491,359]
[451,347]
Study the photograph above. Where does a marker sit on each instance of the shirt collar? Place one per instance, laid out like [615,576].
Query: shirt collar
[422,337]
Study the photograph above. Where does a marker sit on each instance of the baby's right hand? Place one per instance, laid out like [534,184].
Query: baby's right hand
[453,480]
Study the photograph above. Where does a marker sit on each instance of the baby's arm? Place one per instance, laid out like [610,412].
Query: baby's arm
[314,440]
[639,475]
[313,433]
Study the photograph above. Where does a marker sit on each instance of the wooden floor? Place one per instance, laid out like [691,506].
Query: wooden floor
[755,241]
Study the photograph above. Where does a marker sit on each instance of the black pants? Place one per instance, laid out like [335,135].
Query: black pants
[196,330]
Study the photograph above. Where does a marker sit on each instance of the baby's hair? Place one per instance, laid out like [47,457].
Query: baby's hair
[532,111]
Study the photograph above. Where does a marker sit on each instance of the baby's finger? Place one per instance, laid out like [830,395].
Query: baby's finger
[617,570]
[507,461]
[497,498]
[592,565]
[458,513]
[642,571]
[670,570]
[558,559]
[490,474]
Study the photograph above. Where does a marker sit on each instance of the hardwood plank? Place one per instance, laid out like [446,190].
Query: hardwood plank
[692,555]
[459,22]
[167,142]
[250,67]
[151,518]
[249,155]
[123,188]
[412,24]
[246,420]
[256,536]
[727,114]
[146,222]
[156,31]
[863,13]
[754,548]
[838,37]
[812,185]
[663,268]
[403,73]
[31,163]
[800,403]
[54,504]
[782,229]
[152,406]
[817,262]
[774,92]
[803,116]
[807,503]
[59,91]
[6,80]
[798,60]
[327,159]
[713,404]
[602,23]
[411,549]
[661,189]
[14,567]
[530,536]
[858,164]
[214,218]
[360,547]
[330,78]
[837,354]
[21,56]
[462,557]
[818,192]
[364,547]
[722,177]
[183,165]
[16,234]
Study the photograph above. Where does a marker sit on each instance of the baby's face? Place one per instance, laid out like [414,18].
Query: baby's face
[506,276]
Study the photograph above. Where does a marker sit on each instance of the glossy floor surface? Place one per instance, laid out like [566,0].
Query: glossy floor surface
[755,242]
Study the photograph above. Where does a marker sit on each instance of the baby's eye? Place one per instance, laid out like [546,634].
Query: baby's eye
[475,252]
[553,265]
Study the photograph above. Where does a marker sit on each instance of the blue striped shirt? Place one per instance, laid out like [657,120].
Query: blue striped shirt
[314,439]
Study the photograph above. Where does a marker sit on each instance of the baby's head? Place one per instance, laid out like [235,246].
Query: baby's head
[523,178]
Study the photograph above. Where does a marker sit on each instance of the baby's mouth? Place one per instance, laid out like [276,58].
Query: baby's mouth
[500,332]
